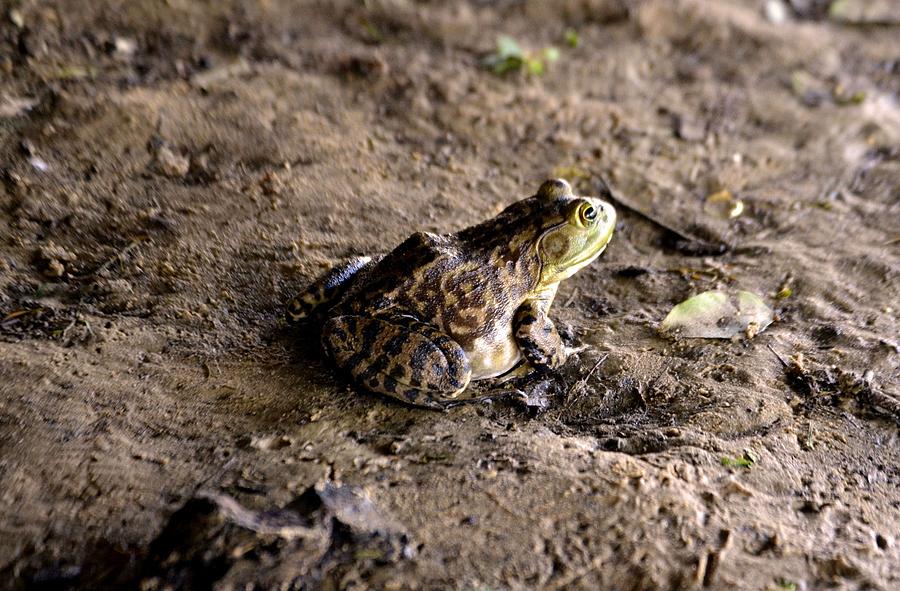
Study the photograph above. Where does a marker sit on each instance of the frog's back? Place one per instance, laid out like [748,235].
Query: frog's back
[457,289]
[406,279]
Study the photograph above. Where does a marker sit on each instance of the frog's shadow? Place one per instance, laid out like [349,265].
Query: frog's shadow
[302,342]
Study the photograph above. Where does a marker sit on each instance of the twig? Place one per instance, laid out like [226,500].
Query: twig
[489,494]
[884,404]
[62,337]
[571,298]
[17,313]
[583,381]
[780,358]
[118,256]
[626,203]
[282,524]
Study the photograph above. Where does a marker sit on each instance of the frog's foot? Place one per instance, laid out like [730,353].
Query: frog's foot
[398,356]
[326,289]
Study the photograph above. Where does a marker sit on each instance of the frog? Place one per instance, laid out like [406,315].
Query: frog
[440,311]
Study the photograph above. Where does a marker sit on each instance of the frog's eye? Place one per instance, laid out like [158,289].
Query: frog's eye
[585,214]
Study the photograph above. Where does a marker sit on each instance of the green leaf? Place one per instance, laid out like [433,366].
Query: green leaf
[510,57]
[507,47]
[718,315]
[857,98]
[572,39]
[784,292]
[508,64]
[746,460]
[535,66]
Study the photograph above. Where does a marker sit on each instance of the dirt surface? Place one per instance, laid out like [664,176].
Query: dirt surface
[172,172]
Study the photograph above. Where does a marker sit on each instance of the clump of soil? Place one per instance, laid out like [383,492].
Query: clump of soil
[171,173]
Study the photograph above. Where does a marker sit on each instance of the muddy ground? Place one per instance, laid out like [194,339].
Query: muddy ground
[173,171]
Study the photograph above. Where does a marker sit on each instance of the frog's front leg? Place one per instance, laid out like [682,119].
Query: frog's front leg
[399,356]
[537,337]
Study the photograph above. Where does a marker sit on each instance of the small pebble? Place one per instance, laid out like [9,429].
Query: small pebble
[171,164]
[124,47]
[17,18]
[776,11]
[54,268]
[39,164]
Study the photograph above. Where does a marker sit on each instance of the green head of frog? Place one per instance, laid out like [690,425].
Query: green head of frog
[549,236]
[576,230]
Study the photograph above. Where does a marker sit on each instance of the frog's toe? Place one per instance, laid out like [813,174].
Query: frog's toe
[398,356]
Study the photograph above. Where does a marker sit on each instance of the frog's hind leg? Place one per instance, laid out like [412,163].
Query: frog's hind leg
[327,289]
[399,356]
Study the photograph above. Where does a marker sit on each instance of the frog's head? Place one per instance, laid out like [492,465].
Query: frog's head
[549,236]
[575,230]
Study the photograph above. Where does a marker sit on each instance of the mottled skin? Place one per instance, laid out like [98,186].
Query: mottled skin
[421,322]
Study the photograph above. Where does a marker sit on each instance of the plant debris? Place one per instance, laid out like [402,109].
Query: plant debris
[719,315]
[686,241]
[723,205]
[510,57]
[835,386]
[746,460]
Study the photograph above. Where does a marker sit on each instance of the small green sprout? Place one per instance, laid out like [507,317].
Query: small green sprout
[572,39]
[787,585]
[745,460]
[510,57]
[785,292]
[842,99]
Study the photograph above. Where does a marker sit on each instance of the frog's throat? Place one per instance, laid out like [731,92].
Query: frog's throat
[545,278]
[579,265]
